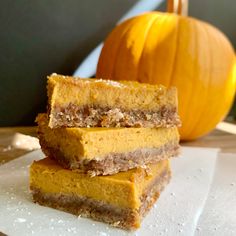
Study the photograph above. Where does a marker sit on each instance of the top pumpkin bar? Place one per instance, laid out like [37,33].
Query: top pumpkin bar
[75,102]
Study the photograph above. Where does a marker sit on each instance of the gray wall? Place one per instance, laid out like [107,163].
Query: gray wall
[44,36]
[221,13]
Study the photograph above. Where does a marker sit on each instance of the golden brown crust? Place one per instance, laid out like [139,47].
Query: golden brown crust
[95,116]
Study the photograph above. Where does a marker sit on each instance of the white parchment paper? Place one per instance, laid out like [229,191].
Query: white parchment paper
[200,199]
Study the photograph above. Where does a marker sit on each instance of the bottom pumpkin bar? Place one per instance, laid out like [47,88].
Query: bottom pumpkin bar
[121,200]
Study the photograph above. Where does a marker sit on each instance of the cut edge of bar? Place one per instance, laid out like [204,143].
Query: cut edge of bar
[113,162]
[125,218]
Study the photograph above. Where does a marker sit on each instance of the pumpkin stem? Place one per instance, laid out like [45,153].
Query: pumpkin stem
[179,7]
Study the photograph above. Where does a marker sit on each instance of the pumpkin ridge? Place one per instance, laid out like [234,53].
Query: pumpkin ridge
[175,57]
[118,48]
[145,39]
[224,106]
[197,115]
[208,78]
[188,113]
[106,48]
[136,21]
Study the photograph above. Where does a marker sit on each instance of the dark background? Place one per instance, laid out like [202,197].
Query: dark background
[40,37]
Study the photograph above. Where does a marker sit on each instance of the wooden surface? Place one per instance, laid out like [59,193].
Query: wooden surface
[216,139]
[17,141]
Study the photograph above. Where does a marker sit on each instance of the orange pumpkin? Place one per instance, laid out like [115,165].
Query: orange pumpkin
[174,50]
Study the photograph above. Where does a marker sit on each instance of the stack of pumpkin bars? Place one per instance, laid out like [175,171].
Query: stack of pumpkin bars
[107,146]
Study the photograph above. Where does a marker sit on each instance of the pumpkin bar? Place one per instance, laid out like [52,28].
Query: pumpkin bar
[75,102]
[122,199]
[103,151]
